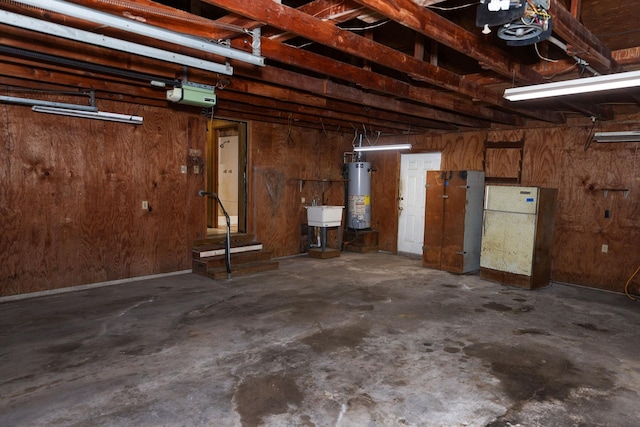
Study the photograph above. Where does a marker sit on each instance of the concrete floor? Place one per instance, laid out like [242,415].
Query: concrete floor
[360,340]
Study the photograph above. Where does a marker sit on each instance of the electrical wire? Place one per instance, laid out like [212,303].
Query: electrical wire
[542,57]
[370,27]
[453,8]
[626,285]
[587,142]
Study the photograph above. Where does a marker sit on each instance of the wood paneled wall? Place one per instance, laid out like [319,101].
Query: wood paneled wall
[280,156]
[556,157]
[71,193]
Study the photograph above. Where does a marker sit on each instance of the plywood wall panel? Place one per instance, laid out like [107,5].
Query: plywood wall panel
[72,195]
[557,157]
[281,156]
[462,151]
[541,163]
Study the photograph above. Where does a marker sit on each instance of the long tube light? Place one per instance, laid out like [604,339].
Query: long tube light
[98,115]
[28,101]
[624,136]
[28,23]
[145,30]
[383,147]
[572,87]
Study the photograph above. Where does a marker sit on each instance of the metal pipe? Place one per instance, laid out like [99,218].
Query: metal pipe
[579,60]
[227,243]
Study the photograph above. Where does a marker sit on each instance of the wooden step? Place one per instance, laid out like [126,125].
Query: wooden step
[242,269]
[220,239]
[205,251]
[201,265]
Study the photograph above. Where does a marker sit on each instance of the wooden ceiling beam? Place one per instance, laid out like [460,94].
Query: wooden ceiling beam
[31,72]
[580,41]
[434,26]
[627,57]
[382,84]
[285,53]
[440,29]
[201,27]
[25,40]
[326,33]
[359,97]
[336,11]
[331,110]
[300,116]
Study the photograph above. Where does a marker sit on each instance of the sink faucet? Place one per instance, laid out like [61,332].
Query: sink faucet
[315,201]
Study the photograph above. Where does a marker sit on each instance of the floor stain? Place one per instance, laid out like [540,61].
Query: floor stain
[259,397]
[535,374]
[505,308]
[591,327]
[530,332]
[63,348]
[329,340]
[497,307]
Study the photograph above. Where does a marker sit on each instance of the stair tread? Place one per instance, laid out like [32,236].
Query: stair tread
[237,255]
[212,240]
[243,269]
[237,258]
[214,250]
[213,246]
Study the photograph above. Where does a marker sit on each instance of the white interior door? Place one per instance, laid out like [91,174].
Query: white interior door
[413,178]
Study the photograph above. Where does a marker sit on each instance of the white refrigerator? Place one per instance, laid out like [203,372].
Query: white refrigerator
[517,235]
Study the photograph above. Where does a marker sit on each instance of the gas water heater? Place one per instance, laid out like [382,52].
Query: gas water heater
[359,195]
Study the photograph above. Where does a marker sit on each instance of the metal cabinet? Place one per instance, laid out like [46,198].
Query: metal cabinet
[517,235]
[453,220]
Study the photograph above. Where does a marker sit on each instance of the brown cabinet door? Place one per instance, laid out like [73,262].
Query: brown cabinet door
[434,210]
[453,227]
[445,204]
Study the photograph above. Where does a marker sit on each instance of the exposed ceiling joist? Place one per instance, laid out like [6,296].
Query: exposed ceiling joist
[399,63]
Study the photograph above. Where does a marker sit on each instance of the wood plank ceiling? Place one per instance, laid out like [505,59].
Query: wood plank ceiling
[387,66]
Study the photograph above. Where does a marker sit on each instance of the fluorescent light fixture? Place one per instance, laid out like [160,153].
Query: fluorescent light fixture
[98,115]
[383,147]
[626,136]
[33,24]
[573,87]
[28,101]
[145,30]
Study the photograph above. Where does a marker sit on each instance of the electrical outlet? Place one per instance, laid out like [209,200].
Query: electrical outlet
[183,168]
[605,248]
[302,200]
[196,169]
[145,205]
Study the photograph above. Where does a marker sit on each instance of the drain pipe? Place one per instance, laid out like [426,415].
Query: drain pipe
[579,60]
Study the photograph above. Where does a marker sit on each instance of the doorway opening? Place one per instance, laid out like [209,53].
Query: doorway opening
[227,175]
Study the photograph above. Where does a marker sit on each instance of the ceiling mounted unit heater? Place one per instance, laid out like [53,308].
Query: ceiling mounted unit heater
[626,136]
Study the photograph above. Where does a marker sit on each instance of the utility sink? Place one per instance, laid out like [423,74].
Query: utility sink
[324,216]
